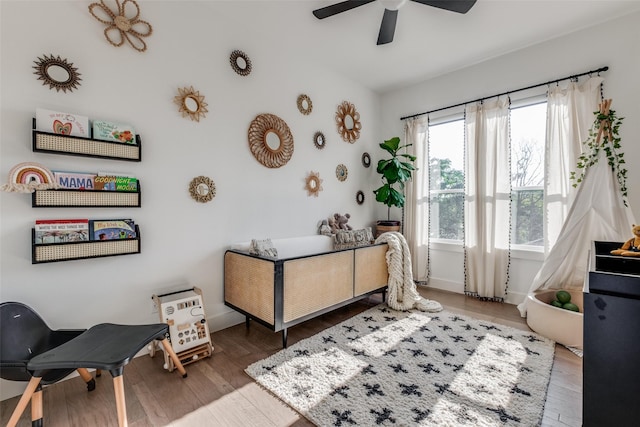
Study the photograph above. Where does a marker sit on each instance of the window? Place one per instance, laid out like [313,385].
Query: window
[528,127]
[446,180]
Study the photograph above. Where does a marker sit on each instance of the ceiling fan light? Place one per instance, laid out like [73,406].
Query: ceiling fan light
[393,4]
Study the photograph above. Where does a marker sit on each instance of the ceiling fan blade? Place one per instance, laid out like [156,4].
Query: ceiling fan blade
[388,26]
[460,6]
[343,6]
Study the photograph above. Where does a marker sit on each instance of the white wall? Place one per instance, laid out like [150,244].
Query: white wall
[182,241]
[614,43]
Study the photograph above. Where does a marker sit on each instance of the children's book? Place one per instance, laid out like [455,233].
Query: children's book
[62,123]
[61,231]
[116,132]
[115,183]
[75,180]
[112,229]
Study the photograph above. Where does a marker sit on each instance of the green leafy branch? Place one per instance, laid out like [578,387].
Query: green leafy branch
[604,135]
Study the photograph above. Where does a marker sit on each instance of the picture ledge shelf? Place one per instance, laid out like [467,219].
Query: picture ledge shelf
[55,252]
[46,142]
[72,198]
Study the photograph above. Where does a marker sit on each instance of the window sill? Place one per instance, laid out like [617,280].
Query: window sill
[532,253]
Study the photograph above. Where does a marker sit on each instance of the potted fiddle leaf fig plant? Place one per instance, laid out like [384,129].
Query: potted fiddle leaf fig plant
[395,171]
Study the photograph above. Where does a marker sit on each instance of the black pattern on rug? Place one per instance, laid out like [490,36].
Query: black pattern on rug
[389,368]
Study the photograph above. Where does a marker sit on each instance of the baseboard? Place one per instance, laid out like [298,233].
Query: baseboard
[445,285]
[224,320]
[514,298]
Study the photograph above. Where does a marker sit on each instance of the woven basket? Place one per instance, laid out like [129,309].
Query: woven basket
[384,226]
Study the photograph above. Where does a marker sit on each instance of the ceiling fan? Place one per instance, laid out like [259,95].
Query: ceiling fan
[388,25]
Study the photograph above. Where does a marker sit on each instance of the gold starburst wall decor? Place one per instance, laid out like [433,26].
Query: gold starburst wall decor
[313,184]
[57,73]
[123,23]
[191,103]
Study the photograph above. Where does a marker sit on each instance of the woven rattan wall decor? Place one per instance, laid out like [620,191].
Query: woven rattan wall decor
[305,106]
[190,103]
[313,184]
[319,140]
[270,140]
[240,62]
[123,23]
[202,189]
[341,172]
[348,122]
[58,73]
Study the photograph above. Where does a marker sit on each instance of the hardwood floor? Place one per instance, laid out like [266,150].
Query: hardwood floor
[217,392]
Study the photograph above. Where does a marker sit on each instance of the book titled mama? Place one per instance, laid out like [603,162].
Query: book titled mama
[75,180]
[116,132]
[112,229]
[62,123]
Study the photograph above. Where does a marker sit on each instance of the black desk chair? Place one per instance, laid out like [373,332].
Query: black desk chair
[24,336]
[104,347]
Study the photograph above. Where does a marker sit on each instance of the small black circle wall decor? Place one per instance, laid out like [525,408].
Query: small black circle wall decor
[366,160]
[360,197]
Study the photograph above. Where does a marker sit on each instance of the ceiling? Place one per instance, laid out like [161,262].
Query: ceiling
[428,41]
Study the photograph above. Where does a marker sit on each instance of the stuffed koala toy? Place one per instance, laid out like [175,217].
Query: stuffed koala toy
[632,246]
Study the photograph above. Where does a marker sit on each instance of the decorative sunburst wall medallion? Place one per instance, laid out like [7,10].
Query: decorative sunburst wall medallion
[270,140]
[191,103]
[348,122]
[313,184]
[305,106]
[202,189]
[57,73]
[319,140]
[240,62]
[123,24]
[341,172]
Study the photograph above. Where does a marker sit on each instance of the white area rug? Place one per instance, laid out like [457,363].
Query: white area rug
[385,367]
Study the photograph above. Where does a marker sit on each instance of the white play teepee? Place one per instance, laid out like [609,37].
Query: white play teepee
[598,212]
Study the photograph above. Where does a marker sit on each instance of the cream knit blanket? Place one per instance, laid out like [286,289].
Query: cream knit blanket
[402,293]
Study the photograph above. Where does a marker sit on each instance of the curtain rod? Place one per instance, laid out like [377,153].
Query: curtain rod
[574,76]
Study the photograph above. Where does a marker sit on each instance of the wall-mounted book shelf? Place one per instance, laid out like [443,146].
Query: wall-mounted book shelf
[46,142]
[69,198]
[56,252]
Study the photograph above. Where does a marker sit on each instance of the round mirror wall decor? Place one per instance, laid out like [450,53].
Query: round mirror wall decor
[313,184]
[191,103]
[341,172]
[366,160]
[202,189]
[319,140]
[240,62]
[270,140]
[305,106]
[57,73]
[348,122]
[360,197]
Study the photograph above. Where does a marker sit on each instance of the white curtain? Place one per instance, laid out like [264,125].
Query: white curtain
[569,117]
[487,199]
[416,211]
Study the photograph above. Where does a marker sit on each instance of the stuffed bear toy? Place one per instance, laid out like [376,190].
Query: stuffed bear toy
[341,220]
[632,246]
